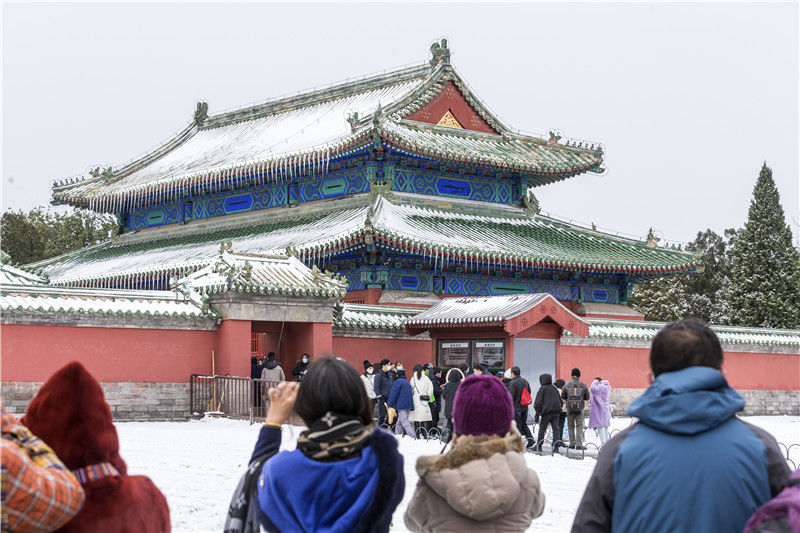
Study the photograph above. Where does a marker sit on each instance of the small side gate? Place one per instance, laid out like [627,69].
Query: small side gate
[234,397]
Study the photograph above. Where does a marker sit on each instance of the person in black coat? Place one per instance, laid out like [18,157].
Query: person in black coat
[256,367]
[382,385]
[454,377]
[302,367]
[515,387]
[547,408]
[435,374]
[562,417]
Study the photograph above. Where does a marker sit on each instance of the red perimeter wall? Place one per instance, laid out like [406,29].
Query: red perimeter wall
[355,350]
[33,353]
[630,367]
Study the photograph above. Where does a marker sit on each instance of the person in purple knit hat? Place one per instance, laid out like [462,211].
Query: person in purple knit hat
[482,483]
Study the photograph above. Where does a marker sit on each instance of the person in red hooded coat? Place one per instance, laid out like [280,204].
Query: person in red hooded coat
[71,415]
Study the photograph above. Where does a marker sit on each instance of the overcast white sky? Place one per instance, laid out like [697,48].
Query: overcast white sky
[687,99]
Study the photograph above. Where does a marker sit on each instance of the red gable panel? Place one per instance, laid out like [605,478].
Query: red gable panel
[451,99]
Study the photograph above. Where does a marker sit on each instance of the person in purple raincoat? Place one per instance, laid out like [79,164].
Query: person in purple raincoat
[600,413]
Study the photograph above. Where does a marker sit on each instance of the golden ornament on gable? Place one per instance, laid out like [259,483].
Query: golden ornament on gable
[450,121]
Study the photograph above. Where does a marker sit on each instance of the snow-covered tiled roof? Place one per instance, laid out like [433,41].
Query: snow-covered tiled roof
[535,241]
[497,237]
[523,153]
[476,310]
[514,313]
[366,316]
[235,272]
[177,253]
[643,330]
[262,274]
[293,137]
[11,275]
[24,292]
[49,299]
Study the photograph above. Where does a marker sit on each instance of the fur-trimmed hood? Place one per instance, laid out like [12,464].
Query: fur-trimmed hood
[470,448]
[482,480]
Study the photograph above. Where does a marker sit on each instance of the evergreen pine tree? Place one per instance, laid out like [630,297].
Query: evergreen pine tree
[692,294]
[765,266]
[662,299]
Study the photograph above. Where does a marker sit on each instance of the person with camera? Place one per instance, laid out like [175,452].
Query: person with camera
[345,474]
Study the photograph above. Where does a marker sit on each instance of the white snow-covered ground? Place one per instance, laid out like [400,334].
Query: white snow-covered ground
[197,465]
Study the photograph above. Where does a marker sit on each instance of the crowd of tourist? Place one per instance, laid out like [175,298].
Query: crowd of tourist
[687,464]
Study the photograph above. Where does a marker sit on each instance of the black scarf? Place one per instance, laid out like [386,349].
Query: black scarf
[334,437]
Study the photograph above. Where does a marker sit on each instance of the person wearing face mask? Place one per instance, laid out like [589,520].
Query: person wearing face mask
[367,378]
[301,368]
[382,387]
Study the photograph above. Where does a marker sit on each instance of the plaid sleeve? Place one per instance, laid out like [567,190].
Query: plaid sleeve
[38,492]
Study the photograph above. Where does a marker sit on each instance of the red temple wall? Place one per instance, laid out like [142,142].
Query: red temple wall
[34,352]
[355,350]
[31,353]
[630,367]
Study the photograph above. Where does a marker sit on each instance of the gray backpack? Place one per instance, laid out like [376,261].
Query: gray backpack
[575,403]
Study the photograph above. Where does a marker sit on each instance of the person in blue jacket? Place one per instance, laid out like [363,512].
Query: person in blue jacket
[689,464]
[345,474]
[402,401]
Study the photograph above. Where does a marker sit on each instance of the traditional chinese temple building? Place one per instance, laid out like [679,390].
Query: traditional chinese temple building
[387,216]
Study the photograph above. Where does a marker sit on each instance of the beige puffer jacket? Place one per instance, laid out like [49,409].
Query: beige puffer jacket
[482,484]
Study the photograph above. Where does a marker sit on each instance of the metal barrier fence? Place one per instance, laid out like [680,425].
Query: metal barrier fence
[234,397]
[237,397]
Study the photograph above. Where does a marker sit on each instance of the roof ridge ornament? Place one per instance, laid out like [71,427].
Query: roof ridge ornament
[652,240]
[440,53]
[531,204]
[554,138]
[201,113]
[352,118]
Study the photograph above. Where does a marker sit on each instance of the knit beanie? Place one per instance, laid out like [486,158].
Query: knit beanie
[482,406]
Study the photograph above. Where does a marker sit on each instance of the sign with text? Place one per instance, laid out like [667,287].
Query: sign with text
[453,353]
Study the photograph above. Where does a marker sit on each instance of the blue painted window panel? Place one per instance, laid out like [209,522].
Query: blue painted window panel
[333,187]
[409,282]
[448,184]
[155,218]
[599,296]
[481,285]
[451,187]
[504,287]
[237,204]
[262,197]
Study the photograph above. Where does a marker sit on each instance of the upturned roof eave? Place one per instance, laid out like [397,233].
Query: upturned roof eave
[672,260]
[91,191]
[274,106]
